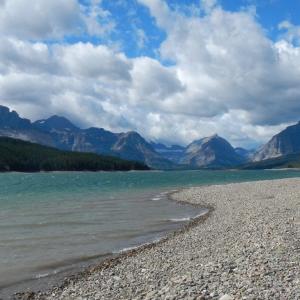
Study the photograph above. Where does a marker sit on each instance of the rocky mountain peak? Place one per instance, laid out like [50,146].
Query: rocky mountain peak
[55,123]
[130,139]
[214,136]
[210,152]
[11,119]
[4,110]
[133,135]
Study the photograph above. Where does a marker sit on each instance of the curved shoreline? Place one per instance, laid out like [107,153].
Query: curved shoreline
[248,248]
[117,257]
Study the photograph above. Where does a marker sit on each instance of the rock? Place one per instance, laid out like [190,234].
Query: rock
[226,297]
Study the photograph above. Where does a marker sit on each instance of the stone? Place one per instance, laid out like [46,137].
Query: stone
[226,297]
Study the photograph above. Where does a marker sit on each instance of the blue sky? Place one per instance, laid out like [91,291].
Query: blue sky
[174,70]
[129,16]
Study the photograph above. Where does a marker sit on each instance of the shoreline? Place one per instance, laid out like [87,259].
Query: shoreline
[210,256]
[117,257]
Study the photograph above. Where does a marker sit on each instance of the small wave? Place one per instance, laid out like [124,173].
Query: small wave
[160,196]
[38,276]
[129,248]
[181,219]
[156,240]
[184,219]
[43,275]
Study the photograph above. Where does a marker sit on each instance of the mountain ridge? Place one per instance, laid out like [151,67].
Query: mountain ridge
[208,152]
[59,132]
[55,122]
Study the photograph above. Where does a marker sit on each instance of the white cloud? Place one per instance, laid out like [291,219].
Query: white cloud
[98,21]
[55,19]
[142,38]
[21,56]
[208,5]
[291,32]
[227,63]
[153,83]
[38,19]
[87,60]
[226,75]
[159,9]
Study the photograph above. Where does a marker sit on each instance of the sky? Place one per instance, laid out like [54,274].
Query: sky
[174,70]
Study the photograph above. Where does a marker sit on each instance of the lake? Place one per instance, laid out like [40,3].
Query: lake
[54,223]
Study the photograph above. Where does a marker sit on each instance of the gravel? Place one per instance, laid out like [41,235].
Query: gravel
[248,248]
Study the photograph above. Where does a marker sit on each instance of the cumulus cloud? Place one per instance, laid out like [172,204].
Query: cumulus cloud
[55,19]
[39,18]
[291,32]
[22,56]
[83,74]
[224,75]
[160,10]
[98,21]
[87,60]
[141,38]
[227,64]
[208,5]
[152,82]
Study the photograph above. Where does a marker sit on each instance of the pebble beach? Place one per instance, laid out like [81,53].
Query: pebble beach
[246,247]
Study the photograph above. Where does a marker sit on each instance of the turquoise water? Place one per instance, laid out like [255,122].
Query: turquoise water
[52,222]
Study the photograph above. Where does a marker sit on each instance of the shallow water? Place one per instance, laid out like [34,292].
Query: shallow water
[52,222]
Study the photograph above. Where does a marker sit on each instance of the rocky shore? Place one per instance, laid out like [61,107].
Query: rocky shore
[248,248]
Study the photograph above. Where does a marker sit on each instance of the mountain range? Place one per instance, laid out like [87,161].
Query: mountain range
[209,152]
[60,133]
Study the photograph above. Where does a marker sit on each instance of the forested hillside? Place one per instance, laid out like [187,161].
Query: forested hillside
[285,161]
[17,155]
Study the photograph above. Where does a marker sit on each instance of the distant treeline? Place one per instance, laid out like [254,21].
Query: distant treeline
[286,161]
[17,155]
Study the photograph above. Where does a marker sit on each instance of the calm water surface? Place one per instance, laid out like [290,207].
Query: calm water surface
[52,222]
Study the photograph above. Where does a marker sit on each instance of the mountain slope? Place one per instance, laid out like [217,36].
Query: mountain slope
[173,153]
[132,146]
[283,143]
[211,152]
[17,155]
[60,133]
[96,140]
[245,153]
